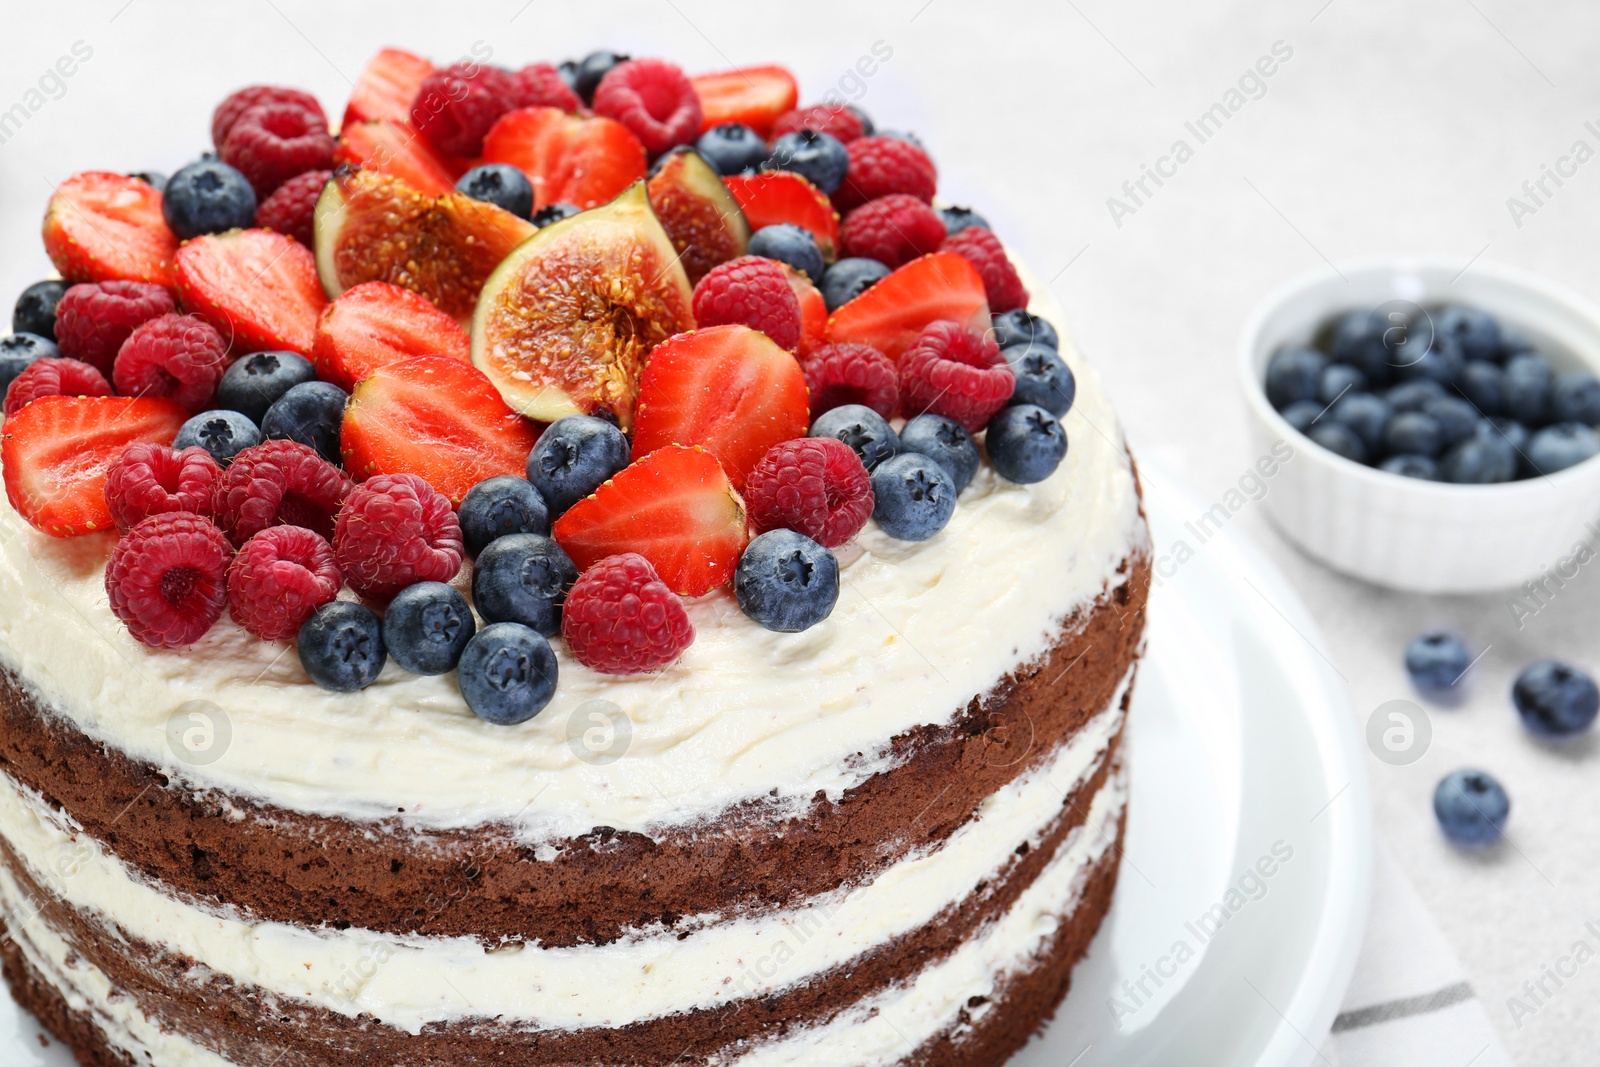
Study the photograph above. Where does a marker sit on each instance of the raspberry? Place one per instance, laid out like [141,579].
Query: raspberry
[957,372]
[279,578]
[54,377]
[750,291]
[541,85]
[851,374]
[619,618]
[278,483]
[94,318]
[149,479]
[983,250]
[456,106]
[180,356]
[880,166]
[842,123]
[271,143]
[654,99]
[292,207]
[238,103]
[395,530]
[167,579]
[893,230]
[812,485]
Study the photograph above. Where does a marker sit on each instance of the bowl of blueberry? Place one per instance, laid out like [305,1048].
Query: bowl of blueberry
[1444,421]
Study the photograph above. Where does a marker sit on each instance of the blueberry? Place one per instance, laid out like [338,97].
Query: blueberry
[820,158]
[868,127]
[1337,380]
[253,384]
[848,278]
[863,429]
[913,497]
[1423,358]
[35,312]
[1015,327]
[568,69]
[1513,344]
[499,506]
[1575,397]
[592,68]
[573,457]
[1475,332]
[554,213]
[946,442]
[222,433]
[1480,460]
[1530,388]
[1484,385]
[1406,466]
[786,582]
[1294,374]
[1359,339]
[208,197]
[1026,443]
[341,647]
[1437,660]
[1457,419]
[788,243]
[1554,699]
[1367,415]
[1413,433]
[1338,438]
[957,219]
[507,673]
[1514,432]
[153,178]
[311,413]
[499,184]
[732,148]
[1303,414]
[20,349]
[1410,396]
[426,626]
[1043,378]
[523,578]
[1471,808]
[1566,444]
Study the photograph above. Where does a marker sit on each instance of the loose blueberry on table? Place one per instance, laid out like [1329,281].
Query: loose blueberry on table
[1436,660]
[1472,808]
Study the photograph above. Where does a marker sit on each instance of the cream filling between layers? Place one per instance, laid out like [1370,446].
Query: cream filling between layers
[409,982]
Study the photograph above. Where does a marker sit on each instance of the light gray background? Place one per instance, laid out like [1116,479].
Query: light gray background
[1394,128]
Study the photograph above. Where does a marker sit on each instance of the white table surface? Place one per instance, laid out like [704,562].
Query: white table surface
[1393,128]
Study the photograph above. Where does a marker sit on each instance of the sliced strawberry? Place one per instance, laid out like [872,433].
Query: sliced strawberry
[813,312]
[570,159]
[755,96]
[890,315]
[776,196]
[394,148]
[436,417]
[57,450]
[375,324]
[257,287]
[387,86]
[675,507]
[728,388]
[108,227]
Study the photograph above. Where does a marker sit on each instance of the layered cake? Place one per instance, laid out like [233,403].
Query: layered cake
[639,608]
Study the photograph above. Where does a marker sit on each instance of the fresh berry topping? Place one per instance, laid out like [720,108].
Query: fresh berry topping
[572,159]
[374,324]
[622,619]
[292,207]
[788,243]
[838,121]
[776,196]
[956,371]
[848,278]
[813,485]
[499,184]
[208,196]
[893,230]
[957,219]
[697,211]
[750,291]
[167,579]
[271,143]
[1555,700]
[177,356]
[498,507]
[732,148]
[456,106]
[882,166]
[554,213]
[394,530]
[1043,378]
[819,157]
[913,497]
[387,87]
[258,288]
[946,442]
[426,627]
[786,582]
[1436,660]
[591,69]
[101,226]
[1554,448]
[280,577]
[93,319]
[523,578]
[507,674]
[19,350]
[754,96]
[151,479]
[675,507]
[1026,444]
[395,149]
[221,434]
[341,647]
[234,106]
[35,310]
[851,374]
[278,483]
[983,250]
[541,85]
[573,457]
[654,99]
[1472,808]
[727,388]
[54,377]
[253,384]
[1021,326]
[868,434]
[893,313]
[813,312]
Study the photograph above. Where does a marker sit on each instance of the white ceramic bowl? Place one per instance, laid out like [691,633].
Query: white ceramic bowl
[1405,533]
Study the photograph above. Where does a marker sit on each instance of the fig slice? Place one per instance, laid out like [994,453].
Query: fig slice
[563,326]
[375,227]
[703,219]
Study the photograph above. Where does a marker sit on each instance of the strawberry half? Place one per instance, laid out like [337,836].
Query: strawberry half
[776,196]
[890,315]
[570,159]
[755,96]
[257,287]
[813,312]
[436,417]
[398,150]
[57,450]
[375,324]
[108,227]
[675,507]
[387,86]
[728,388]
